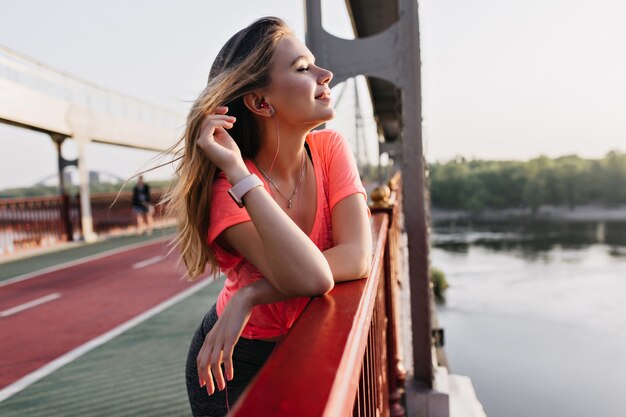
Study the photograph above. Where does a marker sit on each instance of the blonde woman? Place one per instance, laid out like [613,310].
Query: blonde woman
[277,207]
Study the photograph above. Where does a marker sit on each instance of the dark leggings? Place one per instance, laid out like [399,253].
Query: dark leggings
[248,357]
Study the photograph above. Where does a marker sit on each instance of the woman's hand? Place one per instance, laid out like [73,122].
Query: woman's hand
[219,343]
[217,144]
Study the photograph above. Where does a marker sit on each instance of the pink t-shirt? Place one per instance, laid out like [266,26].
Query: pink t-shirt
[336,177]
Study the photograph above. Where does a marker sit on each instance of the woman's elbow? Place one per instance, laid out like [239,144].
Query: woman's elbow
[364,273]
[325,281]
[365,265]
[328,286]
[321,285]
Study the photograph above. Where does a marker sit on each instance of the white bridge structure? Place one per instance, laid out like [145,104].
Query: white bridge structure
[37,97]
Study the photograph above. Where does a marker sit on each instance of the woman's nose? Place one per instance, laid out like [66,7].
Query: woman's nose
[325,76]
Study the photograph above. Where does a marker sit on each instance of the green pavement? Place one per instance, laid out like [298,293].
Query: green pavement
[139,373]
[73,252]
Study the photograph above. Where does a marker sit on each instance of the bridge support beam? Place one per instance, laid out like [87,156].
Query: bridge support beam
[394,55]
[65,207]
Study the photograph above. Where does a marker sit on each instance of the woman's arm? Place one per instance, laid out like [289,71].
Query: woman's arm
[296,266]
[282,252]
[349,259]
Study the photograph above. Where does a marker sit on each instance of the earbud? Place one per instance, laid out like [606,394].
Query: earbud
[264,105]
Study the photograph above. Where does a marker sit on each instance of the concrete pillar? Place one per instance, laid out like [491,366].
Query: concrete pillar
[85,202]
[82,122]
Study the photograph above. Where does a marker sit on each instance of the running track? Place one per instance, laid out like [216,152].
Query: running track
[44,317]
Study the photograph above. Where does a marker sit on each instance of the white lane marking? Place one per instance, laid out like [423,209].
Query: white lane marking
[35,274]
[47,369]
[30,304]
[149,261]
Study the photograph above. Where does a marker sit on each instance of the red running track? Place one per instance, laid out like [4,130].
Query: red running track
[95,297]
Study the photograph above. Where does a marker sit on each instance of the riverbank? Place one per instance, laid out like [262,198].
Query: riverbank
[589,213]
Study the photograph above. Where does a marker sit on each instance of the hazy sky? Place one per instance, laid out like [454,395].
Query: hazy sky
[506,79]
[515,79]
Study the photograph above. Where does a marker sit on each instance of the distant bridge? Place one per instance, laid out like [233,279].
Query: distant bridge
[92,174]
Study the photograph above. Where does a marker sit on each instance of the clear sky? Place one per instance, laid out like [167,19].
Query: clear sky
[505,79]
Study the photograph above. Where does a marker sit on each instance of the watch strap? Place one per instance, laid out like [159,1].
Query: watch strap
[244,185]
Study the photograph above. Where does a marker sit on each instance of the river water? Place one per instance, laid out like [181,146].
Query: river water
[536,315]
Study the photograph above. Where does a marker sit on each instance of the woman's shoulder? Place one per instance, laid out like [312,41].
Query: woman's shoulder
[325,140]
[324,135]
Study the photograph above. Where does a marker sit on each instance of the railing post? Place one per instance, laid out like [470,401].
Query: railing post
[399,373]
[385,202]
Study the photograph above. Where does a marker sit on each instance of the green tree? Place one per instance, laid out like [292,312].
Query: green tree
[569,180]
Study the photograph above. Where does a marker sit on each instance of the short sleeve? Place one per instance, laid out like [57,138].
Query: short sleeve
[224,211]
[343,173]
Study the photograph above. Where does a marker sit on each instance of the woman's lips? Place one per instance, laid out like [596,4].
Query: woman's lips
[325,96]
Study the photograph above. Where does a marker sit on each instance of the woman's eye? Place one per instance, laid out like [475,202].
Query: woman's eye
[303,69]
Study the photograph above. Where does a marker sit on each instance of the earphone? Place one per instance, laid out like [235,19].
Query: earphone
[263,105]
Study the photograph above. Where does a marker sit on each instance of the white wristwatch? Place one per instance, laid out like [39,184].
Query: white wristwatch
[243,186]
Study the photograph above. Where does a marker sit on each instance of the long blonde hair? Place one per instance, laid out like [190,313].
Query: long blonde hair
[241,66]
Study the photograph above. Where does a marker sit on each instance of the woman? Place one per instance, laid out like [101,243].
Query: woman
[277,207]
[142,206]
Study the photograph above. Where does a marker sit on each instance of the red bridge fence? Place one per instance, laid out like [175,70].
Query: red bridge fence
[45,221]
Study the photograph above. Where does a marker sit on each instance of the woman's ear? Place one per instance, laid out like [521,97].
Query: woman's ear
[257,105]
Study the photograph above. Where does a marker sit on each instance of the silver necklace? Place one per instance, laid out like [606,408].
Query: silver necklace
[295,191]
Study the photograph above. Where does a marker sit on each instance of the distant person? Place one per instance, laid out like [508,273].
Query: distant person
[261,196]
[143,208]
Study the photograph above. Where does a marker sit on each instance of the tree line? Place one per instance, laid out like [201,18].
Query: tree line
[475,185]
[94,187]
[570,181]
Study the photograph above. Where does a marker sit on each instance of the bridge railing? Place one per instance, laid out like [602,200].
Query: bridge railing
[31,222]
[341,356]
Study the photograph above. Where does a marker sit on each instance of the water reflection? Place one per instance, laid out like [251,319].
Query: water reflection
[536,307]
[530,239]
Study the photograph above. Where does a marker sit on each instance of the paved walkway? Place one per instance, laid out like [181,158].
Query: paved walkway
[52,257]
[135,370]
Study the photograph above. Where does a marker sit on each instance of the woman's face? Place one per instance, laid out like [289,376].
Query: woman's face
[298,91]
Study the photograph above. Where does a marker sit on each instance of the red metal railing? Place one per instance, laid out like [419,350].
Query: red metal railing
[341,356]
[33,221]
[43,221]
